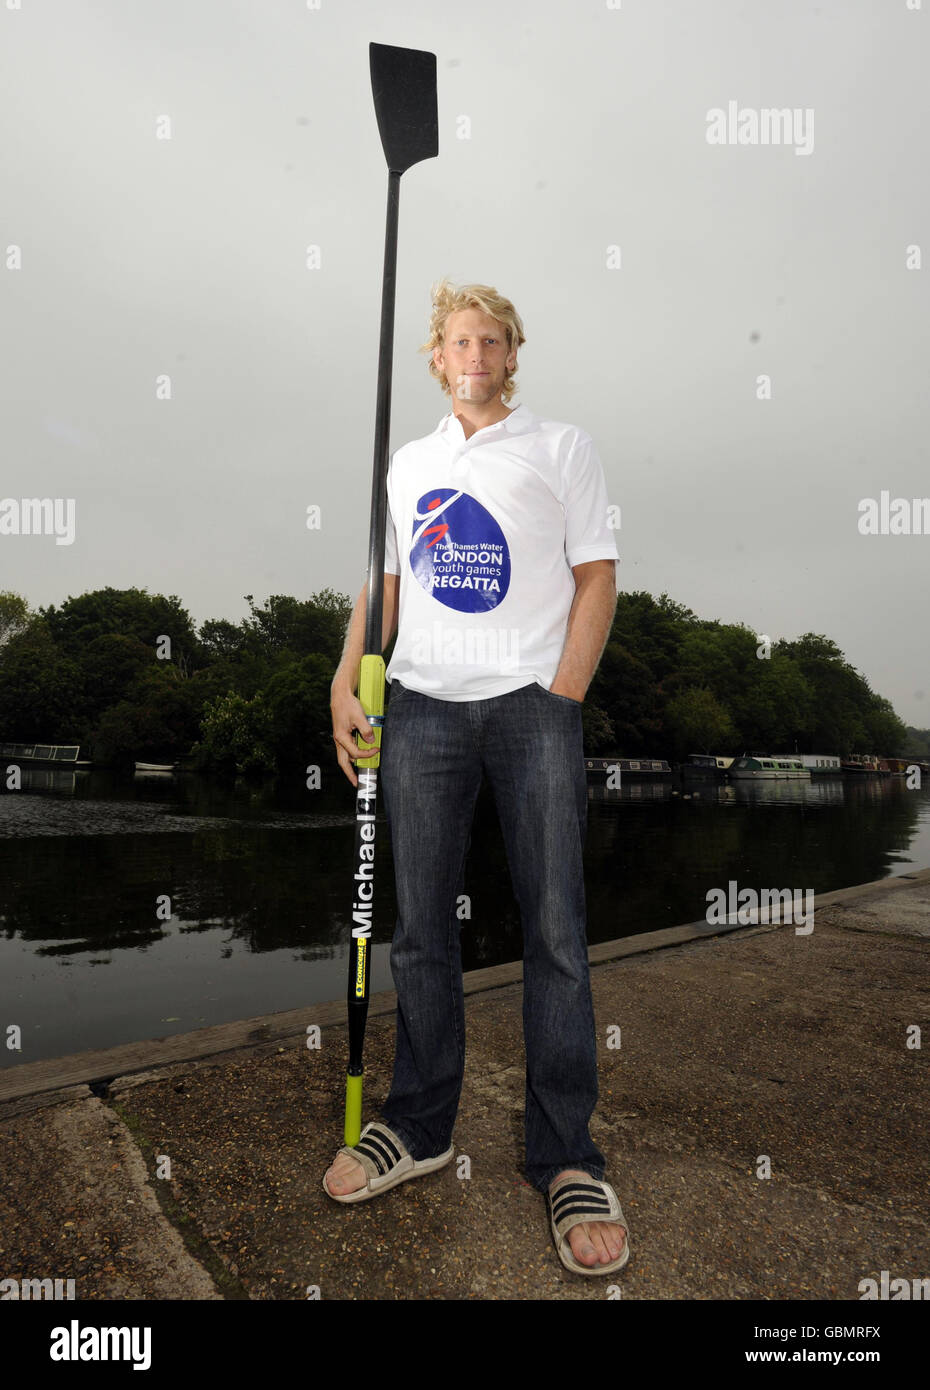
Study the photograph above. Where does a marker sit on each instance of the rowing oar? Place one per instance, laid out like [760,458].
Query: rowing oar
[403,83]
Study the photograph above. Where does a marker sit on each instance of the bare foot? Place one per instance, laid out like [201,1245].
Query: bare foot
[593,1242]
[346,1175]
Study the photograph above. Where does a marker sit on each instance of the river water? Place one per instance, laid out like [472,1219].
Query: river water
[151,906]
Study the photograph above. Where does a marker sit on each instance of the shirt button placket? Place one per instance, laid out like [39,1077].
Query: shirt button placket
[459,463]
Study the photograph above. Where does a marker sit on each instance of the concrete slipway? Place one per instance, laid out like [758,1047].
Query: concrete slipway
[735,1043]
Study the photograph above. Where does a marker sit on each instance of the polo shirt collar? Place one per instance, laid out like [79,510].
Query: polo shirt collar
[520,421]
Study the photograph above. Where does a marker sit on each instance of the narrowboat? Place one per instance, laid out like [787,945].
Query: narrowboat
[627,767]
[44,754]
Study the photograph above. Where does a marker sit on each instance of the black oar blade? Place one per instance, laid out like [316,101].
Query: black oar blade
[403,83]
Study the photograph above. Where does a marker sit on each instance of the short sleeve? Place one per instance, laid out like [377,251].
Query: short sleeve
[588,534]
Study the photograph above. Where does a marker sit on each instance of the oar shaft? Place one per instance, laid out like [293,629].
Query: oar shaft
[371,688]
[375,608]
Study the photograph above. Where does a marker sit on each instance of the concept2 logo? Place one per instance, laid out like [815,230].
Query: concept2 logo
[458,552]
[360,971]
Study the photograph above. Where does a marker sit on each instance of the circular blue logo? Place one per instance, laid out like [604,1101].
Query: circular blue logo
[458,552]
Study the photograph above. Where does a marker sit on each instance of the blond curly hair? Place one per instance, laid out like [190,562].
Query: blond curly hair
[447,299]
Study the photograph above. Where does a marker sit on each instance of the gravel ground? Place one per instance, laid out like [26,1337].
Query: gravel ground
[756,1052]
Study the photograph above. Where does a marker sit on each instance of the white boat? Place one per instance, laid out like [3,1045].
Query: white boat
[822,764]
[770,766]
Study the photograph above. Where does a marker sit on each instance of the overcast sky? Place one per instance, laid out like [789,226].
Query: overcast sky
[127,258]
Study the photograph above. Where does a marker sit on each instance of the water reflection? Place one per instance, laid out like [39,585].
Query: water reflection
[141,908]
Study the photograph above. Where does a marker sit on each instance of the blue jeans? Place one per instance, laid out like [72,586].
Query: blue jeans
[529,744]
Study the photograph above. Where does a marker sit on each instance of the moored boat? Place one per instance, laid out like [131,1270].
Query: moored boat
[769,767]
[861,765]
[791,765]
[44,754]
[627,767]
[822,764]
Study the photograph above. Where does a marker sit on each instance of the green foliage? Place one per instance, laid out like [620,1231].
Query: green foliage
[221,639]
[916,743]
[37,687]
[598,729]
[285,727]
[125,733]
[157,722]
[14,615]
[846,716]
[109,666]
[284,624]
[698,723]
[625,689]
[651,629]
[297,701]
[883,728]
[234,734]
[802,694]
[254,695]
[127,612]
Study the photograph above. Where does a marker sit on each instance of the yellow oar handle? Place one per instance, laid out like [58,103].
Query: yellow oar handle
[371,698]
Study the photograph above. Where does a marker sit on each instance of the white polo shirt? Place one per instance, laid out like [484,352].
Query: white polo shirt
[484,533]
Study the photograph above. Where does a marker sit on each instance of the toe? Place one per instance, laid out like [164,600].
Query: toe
[609,1241]
[583,1248]
[598,1240]
[346,1175]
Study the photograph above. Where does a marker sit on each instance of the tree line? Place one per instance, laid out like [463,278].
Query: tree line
[128,675]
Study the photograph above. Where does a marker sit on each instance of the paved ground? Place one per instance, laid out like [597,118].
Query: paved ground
[757,1046]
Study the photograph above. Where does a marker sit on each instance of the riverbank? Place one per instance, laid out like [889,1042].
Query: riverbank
[192,1168]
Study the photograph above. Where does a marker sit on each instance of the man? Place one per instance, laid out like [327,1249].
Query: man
[500,578]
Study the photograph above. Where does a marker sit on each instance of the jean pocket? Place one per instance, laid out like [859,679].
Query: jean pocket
[567,699]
